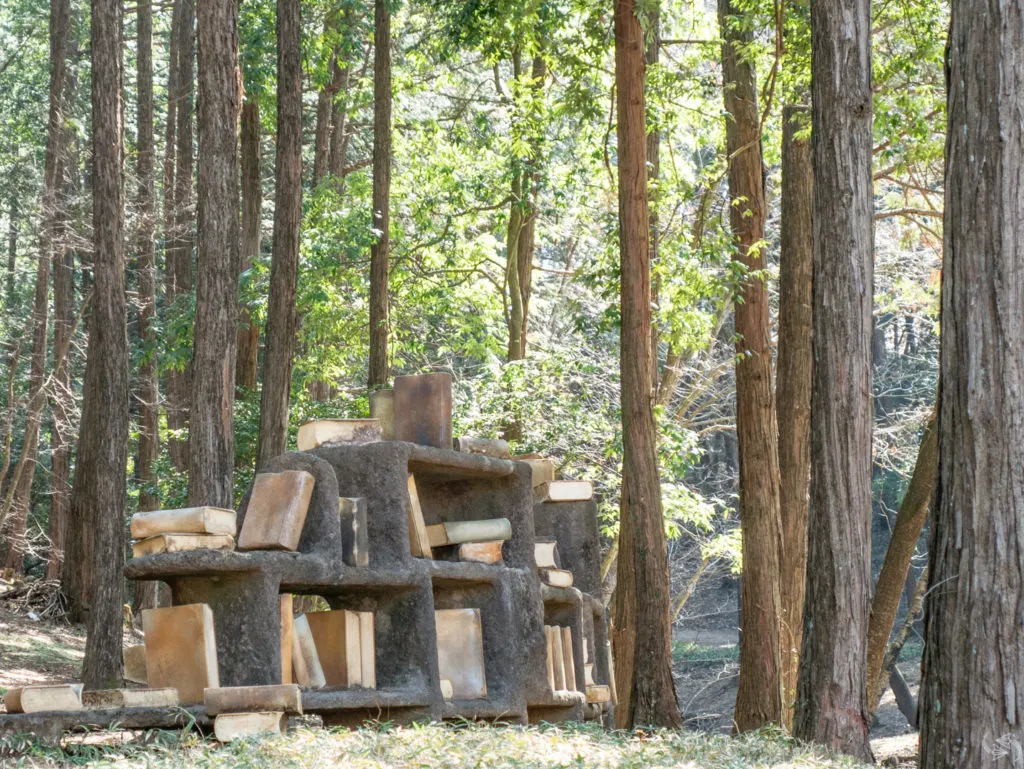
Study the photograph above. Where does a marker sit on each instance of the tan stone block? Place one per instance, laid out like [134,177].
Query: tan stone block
[599,693]
[322,432]
[564,491]
[337,638]
[481,552]
[368,649]
[557,577]
[135,664]
[130,698]
[545,554]
[286,698]
[305,658]
[460,651]
[237,726]
[187,520]
[459,532]
[181,650]
[40,699]
[419,542]
[355,542]
[569,658]
[285,608]
[541,468]
[382,408]
[277,511]
[179,543]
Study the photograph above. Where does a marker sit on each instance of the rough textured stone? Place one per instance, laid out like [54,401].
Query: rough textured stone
[181,651]
[253,699]
[423,410]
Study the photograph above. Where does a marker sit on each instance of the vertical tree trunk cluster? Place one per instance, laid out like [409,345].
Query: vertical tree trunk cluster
[759,700]
[378,373]
[98,495]
[14,517]
[793,387]
[972,695]
[646,689]
[211,432]
[284,271]
[831,704]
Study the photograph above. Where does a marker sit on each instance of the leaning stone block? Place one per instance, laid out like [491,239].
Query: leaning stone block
[181,650]
[277,511]
[135,664]
[237,726]
[285,604]
[355,544]
[179,543]
[305,657]
[286,698]
[423,410]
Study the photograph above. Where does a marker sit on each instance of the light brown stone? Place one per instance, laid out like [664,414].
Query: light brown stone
[481,552]
[460,651]
[382,408]
[368,649]
[39,699]
[178,543]
[542,468]
[545,554]
[599,693]
[569,658]
[187,520]
[181,650]
[285,608]
[419,542]
[557,577]
[237,726]
[286,698]
[130,698]
[337,638]
[564,491]
[305,657]
[459,532]
[277,511]
[324,432]
[490,447]
[135,664]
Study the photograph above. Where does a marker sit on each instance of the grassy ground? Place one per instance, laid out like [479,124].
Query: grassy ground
[465,747]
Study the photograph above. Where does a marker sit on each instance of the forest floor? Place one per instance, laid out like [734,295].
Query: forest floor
[39,651]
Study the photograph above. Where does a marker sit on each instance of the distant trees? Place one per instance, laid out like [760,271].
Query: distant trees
[831,706]
[643,664]
[972,694]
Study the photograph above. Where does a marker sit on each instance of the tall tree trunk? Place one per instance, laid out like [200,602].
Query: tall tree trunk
[832,693]
[247,364]
[340,79]
[284,271]
[893,576]
[64,324]
[378,369]
[98,497]
[793,387]
[19,497]
[147,386]
[759,700]
[324,106]
[651,55]
[211,444]
[972,696]
[647,694]
[178,268]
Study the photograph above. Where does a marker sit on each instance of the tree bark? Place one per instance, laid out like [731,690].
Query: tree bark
[972,695]
[378,367]
[647,693]
[793,388]
[831,693]
[17,507]
[211,431]
[64,325]
[98,496]
[891,580]
[12,245]
[759,700]
[247,363]
[284,271]
[340,79]
[324,100]
[178,267]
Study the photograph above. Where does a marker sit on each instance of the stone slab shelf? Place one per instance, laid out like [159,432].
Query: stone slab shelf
[242,588]
[50,726]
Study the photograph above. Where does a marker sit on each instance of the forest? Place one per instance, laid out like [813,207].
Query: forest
[697,253]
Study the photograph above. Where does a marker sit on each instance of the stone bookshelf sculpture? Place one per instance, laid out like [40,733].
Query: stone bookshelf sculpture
[243,588]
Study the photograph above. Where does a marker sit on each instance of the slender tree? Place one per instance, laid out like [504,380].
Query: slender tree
[284,271]
[793,386]
[378,370]
[831,706]
[179,217]
[324,105]
[211,427]
[15,507]
[759,700]
[98,495]
[643,657]
[972,694]
[247,364]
